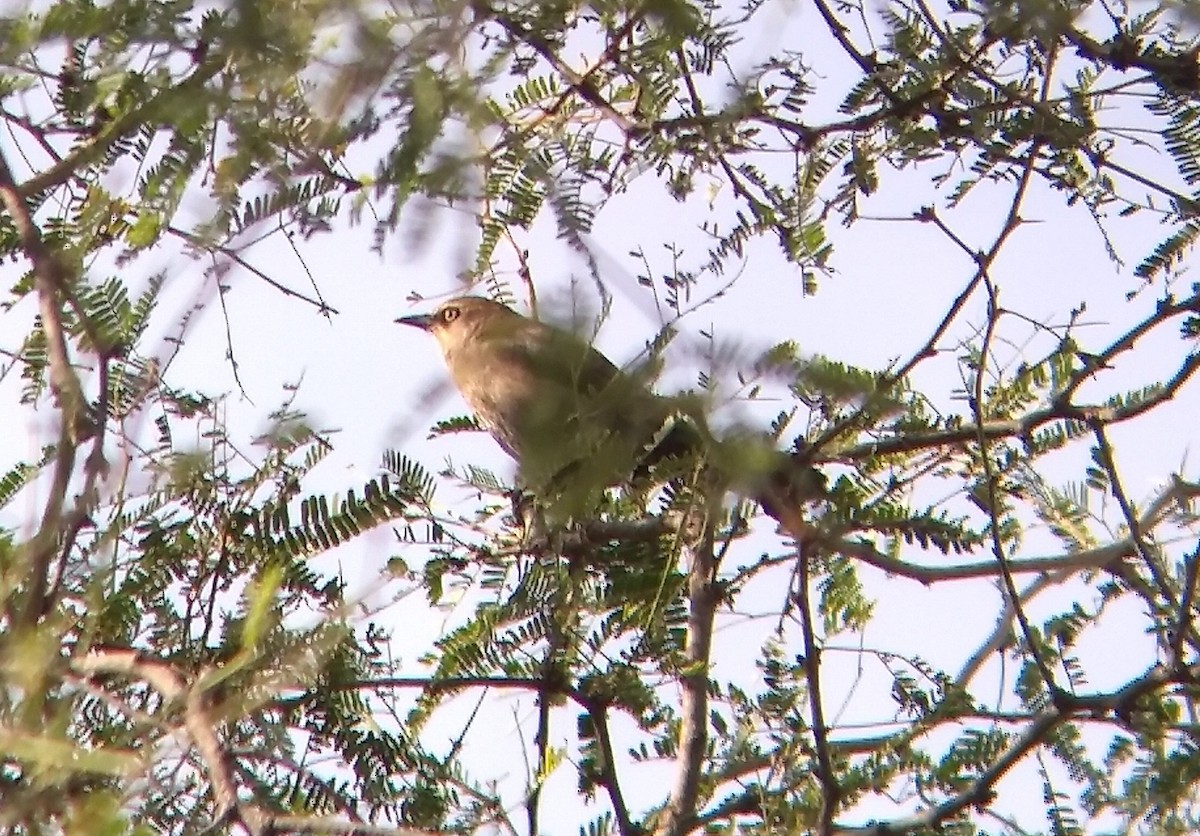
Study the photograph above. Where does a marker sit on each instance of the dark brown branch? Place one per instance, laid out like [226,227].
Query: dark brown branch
[1123,52]
[1182,202]
[831,791]
[1164,311]
[608,770]
[866,63]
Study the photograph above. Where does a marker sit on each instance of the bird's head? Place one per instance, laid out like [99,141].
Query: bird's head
[464,321]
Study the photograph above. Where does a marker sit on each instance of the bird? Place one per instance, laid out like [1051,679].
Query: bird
[567,414]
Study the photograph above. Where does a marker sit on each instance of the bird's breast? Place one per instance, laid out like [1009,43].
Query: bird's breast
[500,397]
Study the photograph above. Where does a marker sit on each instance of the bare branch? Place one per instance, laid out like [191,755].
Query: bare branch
[608,769]
[831,791]
[1097,558]
[237,258]
[703,599]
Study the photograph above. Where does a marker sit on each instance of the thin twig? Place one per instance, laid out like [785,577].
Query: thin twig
[990,479]
[1108,458]
[236,257]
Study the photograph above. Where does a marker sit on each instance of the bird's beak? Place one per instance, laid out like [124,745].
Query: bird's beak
[422,321]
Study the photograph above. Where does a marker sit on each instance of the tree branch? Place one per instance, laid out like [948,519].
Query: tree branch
[608,771]
[51,283]
[831,791]
[198,722]
[115,130]
[703,599]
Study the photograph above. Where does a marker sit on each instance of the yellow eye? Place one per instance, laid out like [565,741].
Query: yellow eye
[450,314]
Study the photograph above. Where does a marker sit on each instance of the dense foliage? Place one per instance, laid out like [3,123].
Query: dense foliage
[175,656]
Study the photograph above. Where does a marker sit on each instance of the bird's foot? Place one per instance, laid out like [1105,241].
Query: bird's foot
[528,516]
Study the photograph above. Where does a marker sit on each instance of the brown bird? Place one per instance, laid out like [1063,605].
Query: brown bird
[559,406]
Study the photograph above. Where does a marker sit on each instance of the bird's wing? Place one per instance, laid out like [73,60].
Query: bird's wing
[560,357]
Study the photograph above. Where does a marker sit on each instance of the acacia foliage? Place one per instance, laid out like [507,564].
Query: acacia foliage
[163,666]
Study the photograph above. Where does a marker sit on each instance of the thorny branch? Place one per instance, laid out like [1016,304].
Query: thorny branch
[993,501]
[1116,704]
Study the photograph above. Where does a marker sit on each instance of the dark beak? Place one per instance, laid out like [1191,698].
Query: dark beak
[422,321]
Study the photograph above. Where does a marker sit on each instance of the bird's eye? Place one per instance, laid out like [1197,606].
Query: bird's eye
[450,314]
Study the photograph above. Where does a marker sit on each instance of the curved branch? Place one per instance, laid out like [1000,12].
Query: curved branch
[1060,410]
[52,284]
[981,789]
[116,130]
